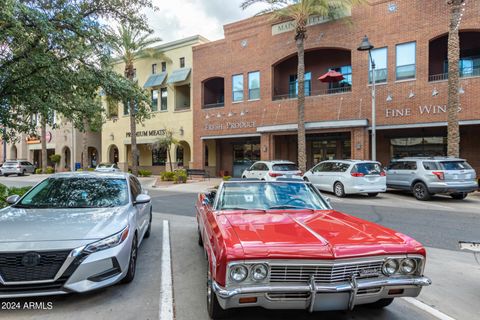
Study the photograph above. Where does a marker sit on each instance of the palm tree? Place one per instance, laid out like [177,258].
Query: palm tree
[299,11]
[166,142]
[133,44]
[453,139]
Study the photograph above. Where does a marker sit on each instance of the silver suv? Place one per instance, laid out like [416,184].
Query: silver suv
[428,176]
[18,167]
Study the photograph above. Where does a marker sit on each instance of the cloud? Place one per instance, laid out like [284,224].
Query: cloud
[178,19]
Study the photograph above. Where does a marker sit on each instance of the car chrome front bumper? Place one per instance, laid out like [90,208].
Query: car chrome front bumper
[339,296]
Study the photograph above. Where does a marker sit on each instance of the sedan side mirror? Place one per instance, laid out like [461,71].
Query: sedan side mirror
[13,199]
[142,199]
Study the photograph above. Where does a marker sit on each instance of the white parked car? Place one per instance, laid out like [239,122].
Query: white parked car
[271,170]
[107,167]
[348,177]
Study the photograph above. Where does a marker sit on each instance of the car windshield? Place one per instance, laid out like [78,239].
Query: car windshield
[455,165]
[285,167]
[368,168]
[269,196]
[77,193]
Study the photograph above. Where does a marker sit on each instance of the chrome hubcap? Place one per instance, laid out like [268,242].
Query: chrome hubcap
[209,287]
[338,189]
[419,191]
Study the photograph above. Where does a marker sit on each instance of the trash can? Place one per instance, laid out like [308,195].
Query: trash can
[78,165]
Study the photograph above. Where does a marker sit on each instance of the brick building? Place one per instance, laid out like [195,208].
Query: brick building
[244,87]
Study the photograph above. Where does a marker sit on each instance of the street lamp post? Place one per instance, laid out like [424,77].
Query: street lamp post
[367,46]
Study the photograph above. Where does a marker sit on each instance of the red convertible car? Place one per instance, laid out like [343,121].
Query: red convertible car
[279,245]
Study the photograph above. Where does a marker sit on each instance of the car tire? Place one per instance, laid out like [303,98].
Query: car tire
[380,304]
[5,175]
[339,189]
[132,262]
[200,240]
[215,311]
[23,172]
[372,194]
[420,191]
[459,195]
[149,229]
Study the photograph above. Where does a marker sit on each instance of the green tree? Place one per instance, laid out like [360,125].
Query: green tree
[453,138]
[134,44]
[299,11]
[55,55]
[167,142]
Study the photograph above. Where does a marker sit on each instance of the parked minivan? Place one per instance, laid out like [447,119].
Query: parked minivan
[425,177]
[344,177]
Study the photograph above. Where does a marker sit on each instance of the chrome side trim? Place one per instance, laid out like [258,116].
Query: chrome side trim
[324,288]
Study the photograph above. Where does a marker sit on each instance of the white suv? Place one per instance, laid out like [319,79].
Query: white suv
[348,176]
[271,170]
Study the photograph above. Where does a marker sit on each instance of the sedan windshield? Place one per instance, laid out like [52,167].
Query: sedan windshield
[269,196]
[77,193]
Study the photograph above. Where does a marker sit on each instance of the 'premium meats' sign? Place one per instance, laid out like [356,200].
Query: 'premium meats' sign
[147,133]
[230,125]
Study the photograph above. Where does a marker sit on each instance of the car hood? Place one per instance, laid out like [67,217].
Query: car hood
[48,229]
[319,235]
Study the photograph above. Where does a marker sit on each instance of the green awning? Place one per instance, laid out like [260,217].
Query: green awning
[179,75]
[155,80]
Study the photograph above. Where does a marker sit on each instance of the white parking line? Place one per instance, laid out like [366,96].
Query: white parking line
[425,307]
[166,289]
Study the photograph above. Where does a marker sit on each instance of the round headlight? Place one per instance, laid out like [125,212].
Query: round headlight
[408,266]
[259,272]
[238,273]
[390,267]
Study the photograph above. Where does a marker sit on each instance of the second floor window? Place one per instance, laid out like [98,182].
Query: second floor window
[293,85]
[164,66]
[154,68]
[237,87]
[381,70]
[154,100]
[182,62]
[342,85]
[163,99]
[406,61]
[254,85]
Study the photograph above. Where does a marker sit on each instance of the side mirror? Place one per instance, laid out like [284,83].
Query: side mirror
[142,199]
[206,201]
[13,199]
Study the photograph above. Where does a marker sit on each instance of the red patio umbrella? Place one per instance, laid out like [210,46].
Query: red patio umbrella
[331,76]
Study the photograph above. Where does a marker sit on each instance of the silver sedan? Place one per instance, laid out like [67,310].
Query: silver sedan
[72,232]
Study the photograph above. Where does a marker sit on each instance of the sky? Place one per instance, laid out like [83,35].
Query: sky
[178,19]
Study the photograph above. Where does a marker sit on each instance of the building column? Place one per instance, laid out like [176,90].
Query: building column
[360,144]
[266,147]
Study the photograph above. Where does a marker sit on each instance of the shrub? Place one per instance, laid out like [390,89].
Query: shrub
[49,170]
[91,169]
[79,170]
[55,158]
[144,173]
[180,176]
[226,178]
[167,176]
[38,171]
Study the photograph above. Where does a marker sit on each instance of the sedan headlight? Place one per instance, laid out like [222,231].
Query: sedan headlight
[238,273]
[108,243]
[390,267]
[408,266]
[259,272]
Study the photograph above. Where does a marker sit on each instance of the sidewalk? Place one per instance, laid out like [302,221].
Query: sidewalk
[192,186]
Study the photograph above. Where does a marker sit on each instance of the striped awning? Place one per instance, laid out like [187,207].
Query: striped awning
[179,75]
[155,80]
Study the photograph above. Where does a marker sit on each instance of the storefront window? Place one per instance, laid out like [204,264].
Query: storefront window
[159,156]
[244,155]
[180,156]
[237,87]
[329,147]
[419,147]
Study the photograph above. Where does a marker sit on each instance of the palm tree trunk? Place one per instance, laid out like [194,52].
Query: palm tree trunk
[43,139]
[453,138]
[85,145]
[302,161]
[170,158]
[129,73]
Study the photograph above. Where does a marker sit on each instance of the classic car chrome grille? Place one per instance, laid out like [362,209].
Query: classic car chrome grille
[14,268]
[324,273]
[288,295]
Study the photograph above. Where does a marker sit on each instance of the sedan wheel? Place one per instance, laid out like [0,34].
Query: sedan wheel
[132,264]
[459,196]
[215,311]
[420,191]
[373,194]
[339,190]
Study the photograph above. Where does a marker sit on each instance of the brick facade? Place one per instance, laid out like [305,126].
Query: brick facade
[249,45]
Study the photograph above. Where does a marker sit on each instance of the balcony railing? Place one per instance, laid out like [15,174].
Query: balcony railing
[464,73]
[314,93]
[213,105]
